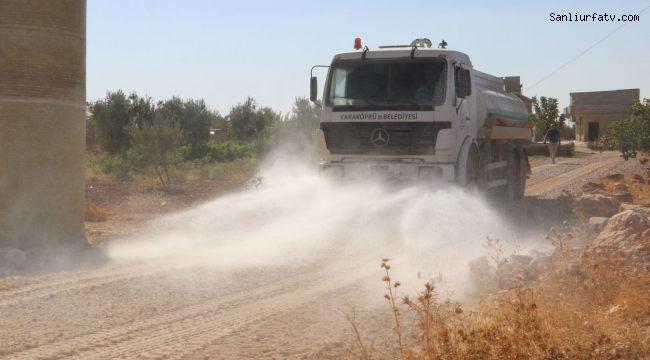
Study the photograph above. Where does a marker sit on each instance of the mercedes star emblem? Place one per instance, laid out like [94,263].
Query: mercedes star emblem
[379,137]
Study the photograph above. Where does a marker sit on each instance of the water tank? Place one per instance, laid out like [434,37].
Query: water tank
[42,121]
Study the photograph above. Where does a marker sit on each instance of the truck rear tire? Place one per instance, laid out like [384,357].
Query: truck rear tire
[516,177]
[521,184]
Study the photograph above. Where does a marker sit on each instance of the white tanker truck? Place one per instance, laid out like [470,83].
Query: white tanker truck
[417,112]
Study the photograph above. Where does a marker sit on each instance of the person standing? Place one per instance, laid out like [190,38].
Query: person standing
[553,138]
[601,145]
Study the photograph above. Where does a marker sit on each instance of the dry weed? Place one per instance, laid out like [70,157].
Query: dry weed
[583,308]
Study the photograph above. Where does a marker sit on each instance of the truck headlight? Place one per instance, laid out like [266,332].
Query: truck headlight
[429,172]
[333,171]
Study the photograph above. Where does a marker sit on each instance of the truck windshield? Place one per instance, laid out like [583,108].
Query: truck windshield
[387,85]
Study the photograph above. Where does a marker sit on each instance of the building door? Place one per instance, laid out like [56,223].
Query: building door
[593,131]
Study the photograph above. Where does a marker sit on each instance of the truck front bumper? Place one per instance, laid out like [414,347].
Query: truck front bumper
[395,170]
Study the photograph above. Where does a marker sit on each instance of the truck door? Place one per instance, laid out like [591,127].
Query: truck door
[465,106]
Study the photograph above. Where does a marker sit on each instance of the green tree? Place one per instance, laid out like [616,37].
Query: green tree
[141,110]
[546,112]
[305,117]
[154,144]
[295,133]
[266,118]
[196,120]
[110,116]
[632,134]
[92,133]
[249,122]
[243,120]
[110,119]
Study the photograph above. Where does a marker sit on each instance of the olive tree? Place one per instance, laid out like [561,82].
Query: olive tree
[545,114]
[153,145]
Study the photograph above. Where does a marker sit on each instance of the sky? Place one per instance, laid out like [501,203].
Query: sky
[226,51]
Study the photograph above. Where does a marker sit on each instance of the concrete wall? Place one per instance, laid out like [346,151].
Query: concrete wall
[612,97]
[42,121]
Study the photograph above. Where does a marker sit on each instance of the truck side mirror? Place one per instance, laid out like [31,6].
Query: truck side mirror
[463,84]
[313,90]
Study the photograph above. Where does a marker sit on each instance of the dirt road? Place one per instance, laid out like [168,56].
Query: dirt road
[548,180]
[144,310]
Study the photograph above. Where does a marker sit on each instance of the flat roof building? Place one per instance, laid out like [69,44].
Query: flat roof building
[593,112]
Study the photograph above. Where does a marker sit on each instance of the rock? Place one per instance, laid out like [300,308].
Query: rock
[638,208]
[624,196]
[638,178]
[521,259]
[15,258]
[620,187]
[623,227]
[598,223]
[537,265]
[615,177]
[628,220]
[593,188]
[594,205]
[479,267]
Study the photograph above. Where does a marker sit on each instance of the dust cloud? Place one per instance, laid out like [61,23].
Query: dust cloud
[296,217]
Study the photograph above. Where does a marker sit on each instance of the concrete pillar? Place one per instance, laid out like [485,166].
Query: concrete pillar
[42,122]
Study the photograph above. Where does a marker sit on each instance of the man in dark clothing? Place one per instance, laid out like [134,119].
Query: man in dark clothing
[553,137]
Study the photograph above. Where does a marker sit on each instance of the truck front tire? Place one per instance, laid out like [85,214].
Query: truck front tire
[472,174]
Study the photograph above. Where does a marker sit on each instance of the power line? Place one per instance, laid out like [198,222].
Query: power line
[594,45]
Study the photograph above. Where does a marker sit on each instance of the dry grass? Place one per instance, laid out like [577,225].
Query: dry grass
[151,199]
[582,307]
[94,213]
[236,170]
[640,192]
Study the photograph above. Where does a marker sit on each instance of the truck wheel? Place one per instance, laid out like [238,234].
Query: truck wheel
[521,184]
[514,187]
[472,171]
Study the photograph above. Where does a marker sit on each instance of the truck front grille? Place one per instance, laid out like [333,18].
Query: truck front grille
[404,138]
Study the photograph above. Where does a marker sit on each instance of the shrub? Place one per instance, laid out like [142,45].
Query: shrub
[113,165]
[632,134]
[229,150]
